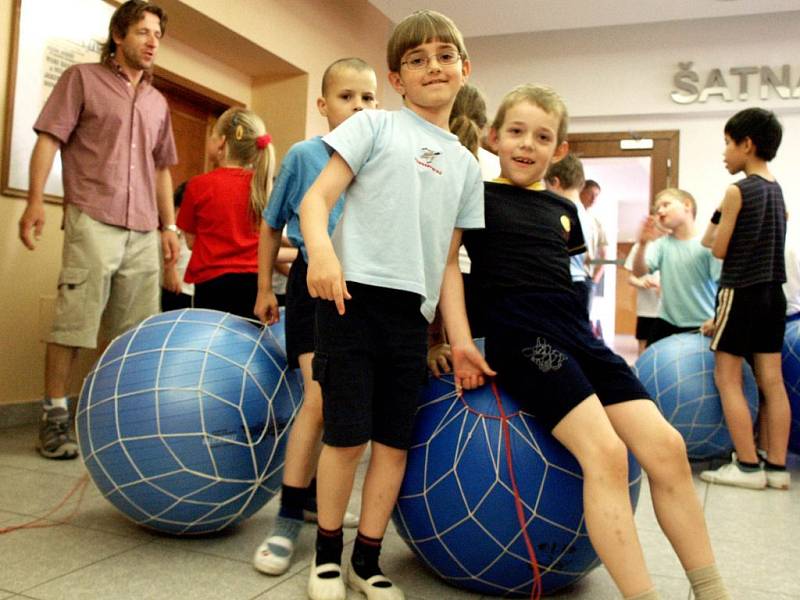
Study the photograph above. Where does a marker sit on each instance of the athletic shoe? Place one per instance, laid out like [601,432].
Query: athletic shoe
[732,474]
[376,587]
[780,480]
[55,438]
[325,582]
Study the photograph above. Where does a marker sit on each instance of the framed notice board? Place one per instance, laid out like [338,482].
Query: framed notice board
[47,37]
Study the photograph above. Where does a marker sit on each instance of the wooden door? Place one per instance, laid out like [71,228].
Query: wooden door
[662,149]
[193,109]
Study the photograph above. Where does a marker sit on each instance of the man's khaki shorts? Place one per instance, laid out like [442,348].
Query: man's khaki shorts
[108,274]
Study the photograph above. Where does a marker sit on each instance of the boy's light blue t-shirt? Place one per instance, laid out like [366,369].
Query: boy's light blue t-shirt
[300,168]
[689,278]
[414,184]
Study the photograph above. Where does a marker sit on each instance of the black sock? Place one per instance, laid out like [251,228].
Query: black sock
[365,558]
[749,467]
[292,501]
[310,502]
[329,546]
[768,466]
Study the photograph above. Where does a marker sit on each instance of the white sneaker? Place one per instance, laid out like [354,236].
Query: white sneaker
[376,587]
[731,474]
[325,582]
[274,555]
[780,480]
[350,520]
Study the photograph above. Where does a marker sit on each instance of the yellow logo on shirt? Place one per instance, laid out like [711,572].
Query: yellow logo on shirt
[566,223]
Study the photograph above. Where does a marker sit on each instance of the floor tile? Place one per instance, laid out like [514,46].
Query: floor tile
[17,449]
[34,556]
[32,492]
[118,559]
[157,572]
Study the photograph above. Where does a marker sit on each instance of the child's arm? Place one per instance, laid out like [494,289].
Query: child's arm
[269,242]
[648,233]
[469,366]
[325,277]
[731,205]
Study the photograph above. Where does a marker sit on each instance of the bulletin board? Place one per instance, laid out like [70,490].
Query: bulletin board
[47,37]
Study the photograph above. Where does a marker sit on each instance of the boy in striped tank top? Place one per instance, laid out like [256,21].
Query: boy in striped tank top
[748,232]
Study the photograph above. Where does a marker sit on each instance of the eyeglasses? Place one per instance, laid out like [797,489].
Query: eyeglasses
[421,61]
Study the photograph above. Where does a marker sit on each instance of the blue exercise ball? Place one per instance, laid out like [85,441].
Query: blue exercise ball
[182,422]
[791,379]
[678,372]
[456,508]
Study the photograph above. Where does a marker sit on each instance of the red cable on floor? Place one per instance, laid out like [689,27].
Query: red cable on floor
[36,523]
[536,590]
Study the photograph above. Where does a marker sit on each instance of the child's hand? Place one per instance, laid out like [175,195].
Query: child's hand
[469,366]
[708,328]
[439,358]
[650,230]
[172,281]
[266,308]
[650,283]
[326,280]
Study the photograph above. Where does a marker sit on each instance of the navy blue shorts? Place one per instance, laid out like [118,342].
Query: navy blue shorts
[371,363]
[300,311]
[543,350]
[750,320]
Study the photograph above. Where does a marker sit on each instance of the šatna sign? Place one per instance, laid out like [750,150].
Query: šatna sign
[736,86]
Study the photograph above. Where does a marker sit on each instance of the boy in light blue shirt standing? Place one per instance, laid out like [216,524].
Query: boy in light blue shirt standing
[410,188]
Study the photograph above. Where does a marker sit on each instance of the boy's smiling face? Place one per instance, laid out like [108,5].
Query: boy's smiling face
[430,90]
[527,143]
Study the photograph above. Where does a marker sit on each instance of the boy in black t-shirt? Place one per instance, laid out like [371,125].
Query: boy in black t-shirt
[540,343]
[748,232]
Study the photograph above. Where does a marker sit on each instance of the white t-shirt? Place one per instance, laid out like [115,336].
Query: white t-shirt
[647,301]
[791,289]
[414,184]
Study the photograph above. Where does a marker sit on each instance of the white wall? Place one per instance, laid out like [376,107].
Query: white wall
[620,79]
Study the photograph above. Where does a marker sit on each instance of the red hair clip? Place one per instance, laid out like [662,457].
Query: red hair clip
[263,141]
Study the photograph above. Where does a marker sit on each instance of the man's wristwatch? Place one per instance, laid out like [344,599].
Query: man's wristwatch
[173,228]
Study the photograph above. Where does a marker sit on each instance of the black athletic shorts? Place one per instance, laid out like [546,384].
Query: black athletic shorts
[299,314]
[750,320]
[371,363]
[644,327]
[545,354]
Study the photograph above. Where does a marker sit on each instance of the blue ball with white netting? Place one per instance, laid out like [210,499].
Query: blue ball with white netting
[183,421]
[678,372]
[790,361]
[491,501]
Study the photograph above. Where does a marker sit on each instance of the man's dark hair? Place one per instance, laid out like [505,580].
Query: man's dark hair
[761,126]
[129,13]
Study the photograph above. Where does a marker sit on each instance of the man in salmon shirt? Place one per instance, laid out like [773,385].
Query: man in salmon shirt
[115,136]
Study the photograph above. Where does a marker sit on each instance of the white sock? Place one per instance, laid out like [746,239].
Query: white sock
[55,403]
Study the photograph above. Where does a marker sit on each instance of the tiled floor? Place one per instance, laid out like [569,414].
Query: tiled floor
[102,555]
